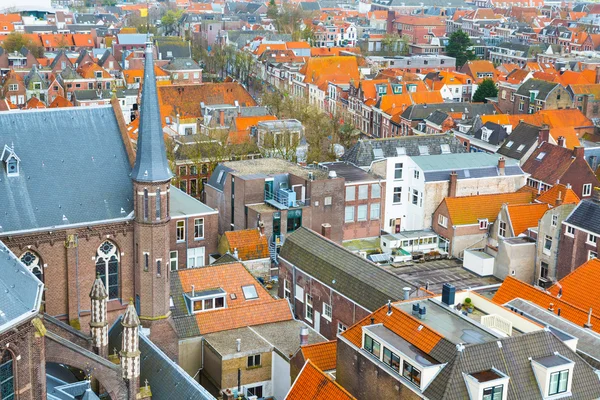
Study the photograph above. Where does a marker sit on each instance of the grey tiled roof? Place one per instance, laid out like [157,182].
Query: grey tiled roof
[422,111]
[21,290]
[474,173]
[544,88]
[586,216]
[361,154]
[166,379]
[185,324]
[496,137]
[514,360]
[214,182]
[151,164]
[437,117]
[74,168]
[356,278]
[180,64]
[524,134]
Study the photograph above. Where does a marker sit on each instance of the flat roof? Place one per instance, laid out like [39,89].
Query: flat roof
[449,324]
[350,172]
[182,205]
[270,167]
[401,344]
[554,360]
[454,161]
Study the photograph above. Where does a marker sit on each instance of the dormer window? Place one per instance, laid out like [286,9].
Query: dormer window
[11,161]
[489,384]
[206,300]
[554,375]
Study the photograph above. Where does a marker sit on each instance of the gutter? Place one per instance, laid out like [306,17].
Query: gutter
[69,226]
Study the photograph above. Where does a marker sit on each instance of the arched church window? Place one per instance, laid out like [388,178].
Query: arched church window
[7,376]
[34,263]
[107,267]
[145,204]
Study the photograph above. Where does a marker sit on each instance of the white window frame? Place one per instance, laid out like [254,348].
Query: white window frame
[592,254]
[173,259]
[287,289]
[547,249]
[180,230]
[327,201]
[587,190]
[197,260]
[363,192]
[591,239]
[375,211]
[375,191]
[442,220]
[308,305]
[365,210]
[346,219]
[398,167]
[483,223]
[554,221]
[394,193]
[570,231]
[299,293]
[501,229]
[327,312]
[350,193]
[341,327]
[198,222]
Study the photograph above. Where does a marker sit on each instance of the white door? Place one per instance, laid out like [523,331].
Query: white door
[195,257]
[318,322]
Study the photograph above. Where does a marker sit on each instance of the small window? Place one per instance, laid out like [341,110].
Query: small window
[521,147]
[341,327]
[180,230]
[502,229]
[554,220]
[483,223]
[198,228]
[250,292]
[327,201]
[327,311]
[411,373]
[173,260]
[397,198]
[398,171]
[391,359]
[592,255]
[363,192]
[540,156]
[570,231]
[254,361]
[309,308]
[547,244]
[443,220]
[591,239]
[287,289]
[375,211]
[362,213]
[349,214]
[350,193]
[157,204]
[558,382]
[587,190]
[375,191]
[372,346]
[493,393]
[416,174]
[158,267]
[509,144]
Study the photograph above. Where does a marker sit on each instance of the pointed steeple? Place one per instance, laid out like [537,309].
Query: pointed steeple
[151,164]
[130,351]
[99,320]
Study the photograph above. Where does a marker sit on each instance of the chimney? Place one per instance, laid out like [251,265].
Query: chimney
[406,290]
[228,395]
[193,291]
[559,199]
[448,293]
[596,195]
[238,345]
[415,309]
[551,307]
[588,324]
[303,336]
[578,152]
[422,312]
[326,230]
[453,183]
[222,117]
[544,134]
[501,166]
[562,142]
[389,307]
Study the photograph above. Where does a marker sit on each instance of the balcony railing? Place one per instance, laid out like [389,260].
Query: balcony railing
[283,200]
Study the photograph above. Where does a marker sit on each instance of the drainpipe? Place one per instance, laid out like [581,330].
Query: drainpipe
[77,272]
[293,301]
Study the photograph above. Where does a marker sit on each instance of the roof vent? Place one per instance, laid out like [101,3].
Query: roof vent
[332,175]
[11,160]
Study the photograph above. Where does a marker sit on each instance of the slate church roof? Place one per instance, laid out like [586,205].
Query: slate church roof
[151,164]
[73,166]
[21,290]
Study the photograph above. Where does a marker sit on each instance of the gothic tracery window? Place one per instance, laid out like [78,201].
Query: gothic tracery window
[7,377]
[107,267]
[34,263]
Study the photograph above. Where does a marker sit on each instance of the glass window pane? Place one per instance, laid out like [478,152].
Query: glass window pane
[350,193]
[363,192]
[375,191]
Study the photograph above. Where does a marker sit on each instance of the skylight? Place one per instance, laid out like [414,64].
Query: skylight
[250,292]
[400,151]
[509,144]
[424,150]
[520,148]
[446,149]
[378,153]
[540,156]
[220,176]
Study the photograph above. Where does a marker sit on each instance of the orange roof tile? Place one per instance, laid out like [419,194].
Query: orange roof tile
[567,195]
[334,69]
[11,17]
[584,89]
[402,324]
[34,102]
[581,287]
[249,243]
[270,46]
[314,384]
[298,45]
[56,40]
[60,102]
[88,71]
[512,288]
[331,51]
[467,210]
[525,216]
[433,97]
[564,118]
[569,133]
[323,354]
[248,315]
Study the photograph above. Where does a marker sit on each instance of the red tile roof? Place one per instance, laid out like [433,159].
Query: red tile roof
[34,102]
[249,243]
[566,194]
[581,287]
[59,102]
[512,288]
[313,384]
[525,216]
[323,354]
[468,210]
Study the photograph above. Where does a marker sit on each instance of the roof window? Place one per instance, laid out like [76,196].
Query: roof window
[489,384]
[509,144]
[11,161]
[540,156]
[554,375]
[424,150]
[250,292]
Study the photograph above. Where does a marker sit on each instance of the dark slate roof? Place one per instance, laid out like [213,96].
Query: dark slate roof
[85,18]
[524,134]
[586,216]
[166,379]
[180,64]
[151,164]
[214,182]
[422,111]
[310,6]
[21,290]
[226,258]
[362,155]
[514,360]
[185,324]
[349,172]
[104,57]
[56,58]
[496,137]
[40,28]
[544,88]
[356,278]
[177,47]
[437,117]
[74,168]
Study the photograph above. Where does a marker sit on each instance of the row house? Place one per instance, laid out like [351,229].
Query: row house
[14,89]
[420,29]
[586,98]
[513,53]
[532,96]
[336,34]
[22,59]
[453,86]
[473,22]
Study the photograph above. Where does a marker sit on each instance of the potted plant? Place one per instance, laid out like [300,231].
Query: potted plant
[469,305]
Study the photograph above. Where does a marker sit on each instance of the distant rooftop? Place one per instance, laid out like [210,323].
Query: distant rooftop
[441,162]
[349,172]
[270,166]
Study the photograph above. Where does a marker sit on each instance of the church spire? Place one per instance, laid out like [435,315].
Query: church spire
[99,320]
[151,164]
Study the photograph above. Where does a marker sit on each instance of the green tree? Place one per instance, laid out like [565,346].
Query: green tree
[169,20]
[272,10]
[14,42]
[487,88]
[459,47]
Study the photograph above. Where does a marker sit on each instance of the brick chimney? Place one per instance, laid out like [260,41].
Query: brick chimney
[453,183]
[222,117]
[579,152]
[544,134]
[326,230]
[597,74]
[501,166]
[559,199]
[562,142]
